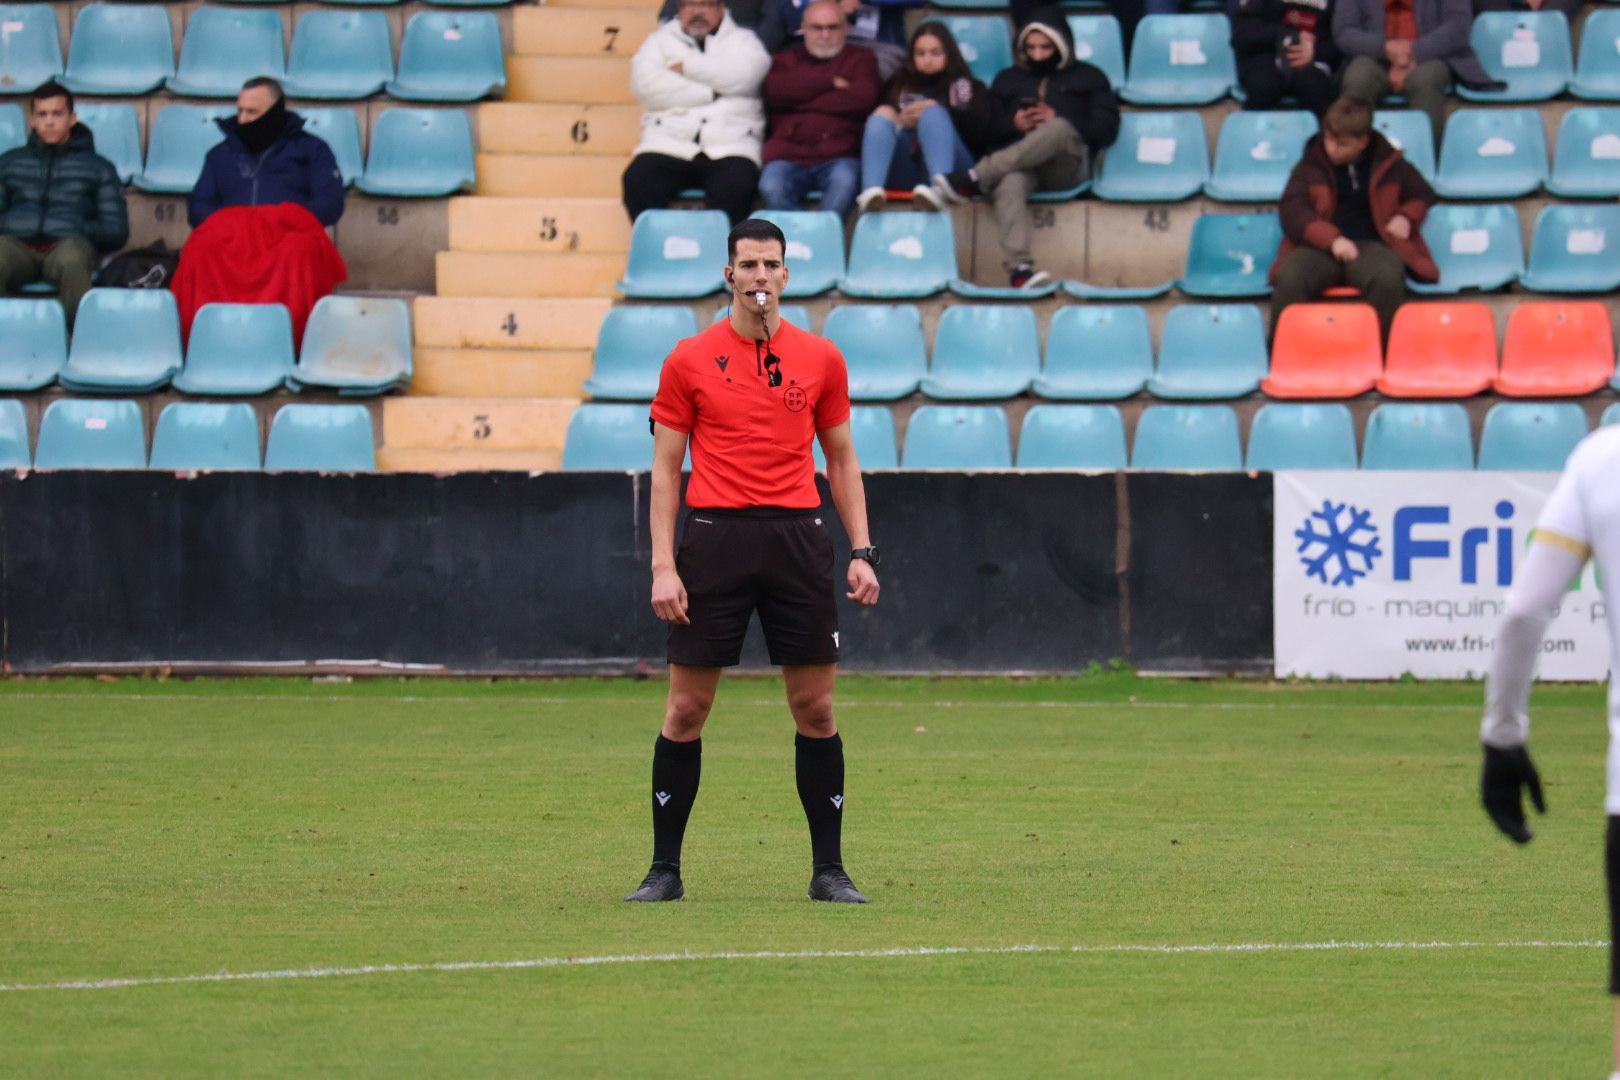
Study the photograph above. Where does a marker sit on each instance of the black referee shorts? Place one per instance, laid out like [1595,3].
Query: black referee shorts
[736,562]
[1611,870]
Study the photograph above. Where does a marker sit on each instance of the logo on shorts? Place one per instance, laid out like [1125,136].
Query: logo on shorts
[721,362]
[835,639]
[794,398]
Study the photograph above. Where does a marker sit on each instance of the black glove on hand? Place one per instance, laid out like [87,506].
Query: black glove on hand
[1504,773]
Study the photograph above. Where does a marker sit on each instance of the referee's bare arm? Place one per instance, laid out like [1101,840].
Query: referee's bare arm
[849,495]
[668,594]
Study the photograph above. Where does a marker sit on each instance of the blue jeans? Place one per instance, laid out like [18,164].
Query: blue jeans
[783,185]
[888,151]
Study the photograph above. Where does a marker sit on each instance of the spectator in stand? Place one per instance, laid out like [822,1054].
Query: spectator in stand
[1285,47]
[933,121]
[1409,47]
[878,25]
[267,158]
[697,78]
[1350,216]
[763,17]
[61,206]
[1050,115]
[818,95]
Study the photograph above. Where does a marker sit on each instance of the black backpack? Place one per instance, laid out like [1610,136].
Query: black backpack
[150,267]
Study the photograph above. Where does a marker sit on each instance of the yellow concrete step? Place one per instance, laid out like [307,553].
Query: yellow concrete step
[476,423]
[502,224]
[390,460]
[526,373]
[581,31]
[497,273]
[569,79]
[523,127]
[445,322]
[573,176]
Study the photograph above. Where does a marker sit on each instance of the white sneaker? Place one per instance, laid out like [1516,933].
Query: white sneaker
[924,197]
[870,199]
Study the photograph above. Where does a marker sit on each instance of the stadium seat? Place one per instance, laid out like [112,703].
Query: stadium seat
[1209,351]
[1570,252]
[1180,60]
[419,153]
[1476,247]
[1401,435]
[181,137]
[1492,154]
[608,438]
[356,345]
[1230,255]
[883,348]
[1290,435]
[871,427]
[1158,157]
[33,342]
[1531,436]
[192,435]
[1097,41]
[985,41]
[1410,132]
[1586,156]
[677,254]
[31,48]
[631,346]
[124,340]
[14,436]
[961,437]
[1557,348]
[226,46]
[450,56]
[1072,437]
[1597,75]
[13,126]
[1325,351]
[1440,350]
[898,256]
[321,438]
[1176,438]
[815,249]
[80,433]
[340,129]
[237,349]
[119,49]
[339,55]
[117,134]
[1255,154]
[1528,50]
[984,351]
[1096,352]
[1611,415]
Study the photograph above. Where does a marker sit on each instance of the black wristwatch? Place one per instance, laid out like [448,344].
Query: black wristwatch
[870,554]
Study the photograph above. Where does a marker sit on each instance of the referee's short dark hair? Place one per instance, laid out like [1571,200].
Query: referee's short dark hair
[753,229]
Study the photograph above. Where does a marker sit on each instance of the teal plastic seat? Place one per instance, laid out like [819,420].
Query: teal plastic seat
[1597,74]
[355,345]
[340,129]
[631,346]
[1492,154]
[1180,60]
[1410,132]
[13,126]
[1575,249]
[196,435]
[450,56]
[181,137]
[321,438]
[33,342]
[1586,159]
[339,55]
[79,433]
[1475,246]
[1098,42]
[1210,351]
[883,349]
[124,341]
[1530,436]
[1403,435]
[985,41]
[1230,255]
[1096,352]
[1528,50]
[608,438]
[1256,152]
[119,49]
[1294,435]
[983,352]
[237,349]
[419,153]
[815,249]
[900,256]
[1072,437]
[961,437]
[14,436]
[676,255]
[224,48]
[1187,438]
[871,428]
[31,48]
[1611,415]
[117,134]
[1158,157]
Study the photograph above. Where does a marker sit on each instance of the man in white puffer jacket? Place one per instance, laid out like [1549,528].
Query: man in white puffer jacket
[698,77]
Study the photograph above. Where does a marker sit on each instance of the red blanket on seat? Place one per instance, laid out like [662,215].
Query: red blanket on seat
[258,255]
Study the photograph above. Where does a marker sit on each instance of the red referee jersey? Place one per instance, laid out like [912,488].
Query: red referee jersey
[750,440]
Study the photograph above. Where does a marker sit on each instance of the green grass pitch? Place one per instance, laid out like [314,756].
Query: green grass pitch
[156,829]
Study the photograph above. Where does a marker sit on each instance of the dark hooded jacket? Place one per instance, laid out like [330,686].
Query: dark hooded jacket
[297,167]
[1077,91]
[50,193]
[1260,25]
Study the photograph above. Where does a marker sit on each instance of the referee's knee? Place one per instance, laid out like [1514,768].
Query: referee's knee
[813,714]
[685,714]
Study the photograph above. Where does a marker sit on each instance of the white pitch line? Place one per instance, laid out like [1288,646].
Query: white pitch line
[807,954]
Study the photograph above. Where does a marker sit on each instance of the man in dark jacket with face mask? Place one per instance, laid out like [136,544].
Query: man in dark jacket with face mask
[61,205]
[267,158]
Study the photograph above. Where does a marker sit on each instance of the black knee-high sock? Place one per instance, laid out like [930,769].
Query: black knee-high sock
[675,772]
[819,768]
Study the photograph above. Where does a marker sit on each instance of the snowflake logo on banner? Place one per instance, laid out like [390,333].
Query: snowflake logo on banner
[1339,536]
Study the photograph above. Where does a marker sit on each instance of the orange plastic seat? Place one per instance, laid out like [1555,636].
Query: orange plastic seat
[1440,350]
[1558,348]
[1325,351]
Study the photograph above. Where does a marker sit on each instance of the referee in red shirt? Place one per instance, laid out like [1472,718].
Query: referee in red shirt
[750,393]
